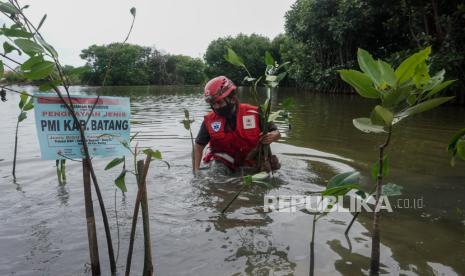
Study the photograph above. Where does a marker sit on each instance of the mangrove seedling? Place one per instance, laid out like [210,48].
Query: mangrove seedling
[247,182]
[337,187]
[140,171]
[271,79]
[403,92]
[187,122]
[456,146]
[25,104]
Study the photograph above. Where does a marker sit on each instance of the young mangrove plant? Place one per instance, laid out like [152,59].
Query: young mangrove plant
[141,168]
[247,182]
[271,79]
[456,146]
[187,122]
[402,92]
[337,187]
[25,104]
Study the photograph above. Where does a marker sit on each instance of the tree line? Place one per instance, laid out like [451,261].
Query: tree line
[321,36]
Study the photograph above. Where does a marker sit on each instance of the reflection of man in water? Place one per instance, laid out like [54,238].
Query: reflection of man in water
[232,129]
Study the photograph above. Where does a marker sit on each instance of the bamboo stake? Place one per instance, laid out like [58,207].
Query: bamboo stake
[91,231]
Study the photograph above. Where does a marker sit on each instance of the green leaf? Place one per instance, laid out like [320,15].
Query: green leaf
[2,69]
[260,176]
[421,76]
[27,65]
[247,179]
[369,66]
[438,88]
[391,189]
[41,22]
[343,179]
[269,60]
[133,11]
[10,32]
[50,85]
[412,99]
[115,162]
[40,70]
[360,82]
[8,8]
[233,58]
[387,73]
[365,125]
[274,115]
[453,143]
[154,154]
[22,117]
[120,181]
[281,76]
[461,149]
[424,106]
[186,114]
[340,190]
[375,169]
[406,69]
[29,46]
[8,48]
[381,116]
[47,46]
[23,99]
[29,105]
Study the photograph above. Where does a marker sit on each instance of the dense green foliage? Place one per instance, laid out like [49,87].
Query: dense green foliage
[325,36]
[137,65]
[251,48]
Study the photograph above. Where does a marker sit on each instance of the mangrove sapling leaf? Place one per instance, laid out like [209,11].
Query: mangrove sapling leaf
[115,162]
[391,189]
[49,85]
[8,48]
[22,116]
[381,116]
[360,82]
[120,181]
[406,69]
[233,58]
[421,77]
[387,73]
[439,87]
[365,125]
[339,190]
[47,47]
[423,106]
[41,22]
[10,32]
[133,11]
[40,70]
[29,46]
[269,60]
[341,179]
[8,8]
[27,65]
[461,149]
[154,154]
[369,66]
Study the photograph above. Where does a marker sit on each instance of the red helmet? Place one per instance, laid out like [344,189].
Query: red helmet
[218,88]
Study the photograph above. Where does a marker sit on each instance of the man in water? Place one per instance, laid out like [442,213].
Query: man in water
[233,129]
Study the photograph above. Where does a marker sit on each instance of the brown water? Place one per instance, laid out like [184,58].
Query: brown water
[43,232]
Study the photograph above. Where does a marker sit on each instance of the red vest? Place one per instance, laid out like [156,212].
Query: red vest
[232,147]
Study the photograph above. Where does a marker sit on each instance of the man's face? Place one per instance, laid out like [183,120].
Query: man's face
[219,104]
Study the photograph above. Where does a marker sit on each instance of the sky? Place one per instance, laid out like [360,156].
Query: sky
[175,26]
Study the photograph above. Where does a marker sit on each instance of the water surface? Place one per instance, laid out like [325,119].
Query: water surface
[43,228]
